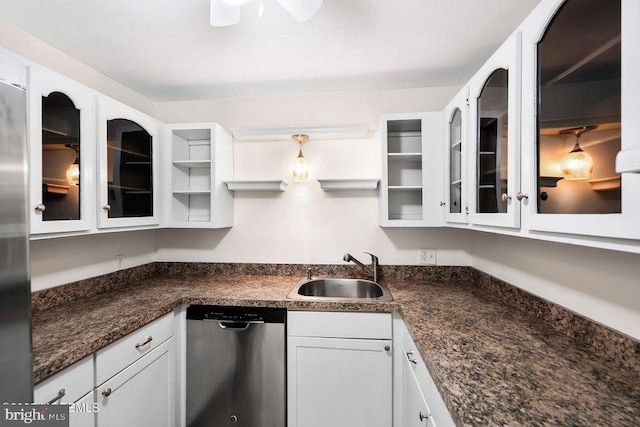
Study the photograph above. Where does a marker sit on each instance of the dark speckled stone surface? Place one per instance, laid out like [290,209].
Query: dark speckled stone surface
[494,360]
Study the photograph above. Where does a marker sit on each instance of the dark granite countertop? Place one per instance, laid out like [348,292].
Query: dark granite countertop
[493,363]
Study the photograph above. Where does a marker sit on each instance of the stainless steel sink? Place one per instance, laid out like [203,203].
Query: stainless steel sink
[320,289]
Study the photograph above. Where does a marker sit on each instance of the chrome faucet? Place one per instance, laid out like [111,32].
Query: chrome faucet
[373,270]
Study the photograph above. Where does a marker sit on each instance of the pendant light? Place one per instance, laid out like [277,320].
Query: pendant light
[73,170]
[578,164]
[300,165]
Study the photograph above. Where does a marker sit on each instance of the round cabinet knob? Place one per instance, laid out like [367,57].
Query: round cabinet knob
[107,392]
[107,208]
[41,207]
[233,419]
[521,196]
[442,203]
[387,348]
[506,197]
[422,416]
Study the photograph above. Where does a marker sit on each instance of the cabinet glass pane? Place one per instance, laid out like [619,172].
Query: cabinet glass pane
[579,94]
[455,162]
[129,160]
[492,133]
[61,178]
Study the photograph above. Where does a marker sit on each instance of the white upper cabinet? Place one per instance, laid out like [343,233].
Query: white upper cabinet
[494,117]
[628,159]
[62,142]
[200,160]
[580,75]
[456,117]
[411,184]
[128,151]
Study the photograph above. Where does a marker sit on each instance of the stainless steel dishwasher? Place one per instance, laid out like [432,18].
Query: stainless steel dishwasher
[236,366]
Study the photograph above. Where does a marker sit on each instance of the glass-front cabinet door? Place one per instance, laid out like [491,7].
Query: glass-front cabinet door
[128,166]
[494,110]
[455,192]
[62,154]
[573,62]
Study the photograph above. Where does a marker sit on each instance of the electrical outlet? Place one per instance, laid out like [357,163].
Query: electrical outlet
[428,256]
[119,259]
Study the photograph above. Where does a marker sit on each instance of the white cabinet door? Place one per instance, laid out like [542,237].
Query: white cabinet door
[339,382]
[142,395]
[415,412]
[129,166]
[199,157]
[82,412]
[456,117]
[411,182]
[494,157]
[597,86]
[62,136]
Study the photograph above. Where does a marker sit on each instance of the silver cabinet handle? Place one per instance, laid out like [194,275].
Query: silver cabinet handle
[521,196]
[422,416]
[107,208]
[506,197]
[147,341]
[107,392]
[41,207]
[60,395]
[442,203]
[410,358]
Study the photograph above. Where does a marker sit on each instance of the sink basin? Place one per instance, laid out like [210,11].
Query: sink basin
[319,289]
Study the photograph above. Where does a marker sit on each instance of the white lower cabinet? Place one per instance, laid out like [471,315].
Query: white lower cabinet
[415,411]
[142,394]
[82,412]
[344,377]
[419,401]
[74,387]
[135,378]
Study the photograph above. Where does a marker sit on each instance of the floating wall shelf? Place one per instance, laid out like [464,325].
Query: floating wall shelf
[628,161]
[256,185]
[549,181]
[611,183]
[348,184]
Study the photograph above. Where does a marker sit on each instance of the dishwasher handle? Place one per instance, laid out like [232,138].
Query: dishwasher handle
[237,326]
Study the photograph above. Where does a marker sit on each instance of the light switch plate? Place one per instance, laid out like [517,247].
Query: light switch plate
[428,256]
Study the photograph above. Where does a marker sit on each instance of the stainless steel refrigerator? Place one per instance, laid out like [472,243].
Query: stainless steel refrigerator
[16,372]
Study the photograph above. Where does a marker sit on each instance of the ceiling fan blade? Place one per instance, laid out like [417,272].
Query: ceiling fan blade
[302,10]
[223,14]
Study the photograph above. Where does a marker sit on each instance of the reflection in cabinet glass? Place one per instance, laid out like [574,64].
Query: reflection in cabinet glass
[492,156]
[61,178]
[579,84]
[129,166]
[455,162]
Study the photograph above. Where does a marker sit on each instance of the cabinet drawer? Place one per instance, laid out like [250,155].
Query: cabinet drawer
[120,354]
[74,381]
[339,325]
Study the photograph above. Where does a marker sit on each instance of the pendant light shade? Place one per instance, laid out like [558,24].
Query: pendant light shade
[72,173]
[578,164]
[301,10]
[300,165]
[224,13]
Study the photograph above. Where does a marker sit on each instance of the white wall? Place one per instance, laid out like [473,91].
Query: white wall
[599,284]
[34,49]
[305,224]
[58,261]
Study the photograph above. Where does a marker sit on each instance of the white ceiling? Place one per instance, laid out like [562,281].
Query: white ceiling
[166,49]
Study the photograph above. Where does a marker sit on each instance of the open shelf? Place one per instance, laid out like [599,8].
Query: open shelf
[348,184]
[256,185]
[192,192]
[192,163]
[605,184]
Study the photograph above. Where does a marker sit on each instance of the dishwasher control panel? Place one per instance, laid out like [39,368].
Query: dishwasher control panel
[237,314]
